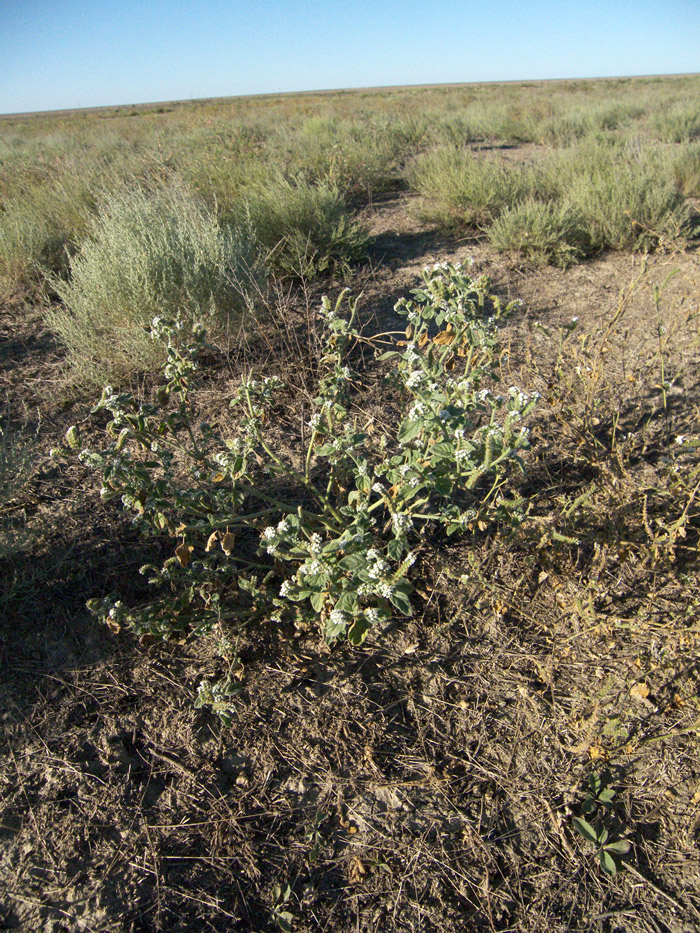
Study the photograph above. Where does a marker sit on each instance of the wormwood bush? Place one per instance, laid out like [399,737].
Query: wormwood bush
[680,124]
[307,228]
[686,171]
[460,189]
[148,253]
[337,548]
[628,199]
[541,232]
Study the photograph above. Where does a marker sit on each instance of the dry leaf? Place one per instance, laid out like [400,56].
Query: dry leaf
[422,340]
[184,554]
[597,753]
[211,542]
[640,691]
[227,543]
[357,871]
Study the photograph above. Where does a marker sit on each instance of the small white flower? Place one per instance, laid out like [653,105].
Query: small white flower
[415,379]
[681,439]
[337,617]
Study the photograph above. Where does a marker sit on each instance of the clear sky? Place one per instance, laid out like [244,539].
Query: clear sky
[57,54]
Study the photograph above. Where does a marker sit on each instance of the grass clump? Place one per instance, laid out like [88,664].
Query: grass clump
[680,124]
[541,232]
[147,254]
[460,190]
[628,199]
[306,228]
[686,171]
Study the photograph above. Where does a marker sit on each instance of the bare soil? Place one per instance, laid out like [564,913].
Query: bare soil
[428,780]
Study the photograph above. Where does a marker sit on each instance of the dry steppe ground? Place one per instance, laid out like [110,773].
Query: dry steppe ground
[427,780]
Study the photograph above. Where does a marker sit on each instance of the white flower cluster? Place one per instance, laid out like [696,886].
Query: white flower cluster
[417,410]
[272,537]
[415,379]
[401,523]
[378,568]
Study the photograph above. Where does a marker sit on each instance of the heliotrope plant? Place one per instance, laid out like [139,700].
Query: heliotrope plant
[338,549]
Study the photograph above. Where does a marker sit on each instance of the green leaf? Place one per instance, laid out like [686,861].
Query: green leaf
[607,862]
[621,847]
[395,549]
[348,602]
[399,598]
[387,356]
[352,562]
[443,449]
[317,601]
[409,430]
[585,829]
[358,630]
[606,795]
[443,486]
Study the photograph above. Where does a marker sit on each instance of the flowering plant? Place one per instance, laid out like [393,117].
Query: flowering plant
[338,548]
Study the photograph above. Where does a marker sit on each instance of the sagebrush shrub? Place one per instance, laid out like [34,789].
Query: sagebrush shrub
[541,232]
[460,189]
[148,253]
[306,227]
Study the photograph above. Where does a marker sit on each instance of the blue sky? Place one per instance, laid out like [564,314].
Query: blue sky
[58,54]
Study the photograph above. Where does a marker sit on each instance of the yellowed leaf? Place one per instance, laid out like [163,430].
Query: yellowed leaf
[211,542]
[183,552]
[597,753]
[227,542]
[218,478]
[443,339]
[422,340]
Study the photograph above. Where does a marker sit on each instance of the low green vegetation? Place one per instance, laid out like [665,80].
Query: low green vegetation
[338,549]
[305,228]
[542,232]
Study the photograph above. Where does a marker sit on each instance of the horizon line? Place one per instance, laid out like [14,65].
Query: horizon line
[340,90]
